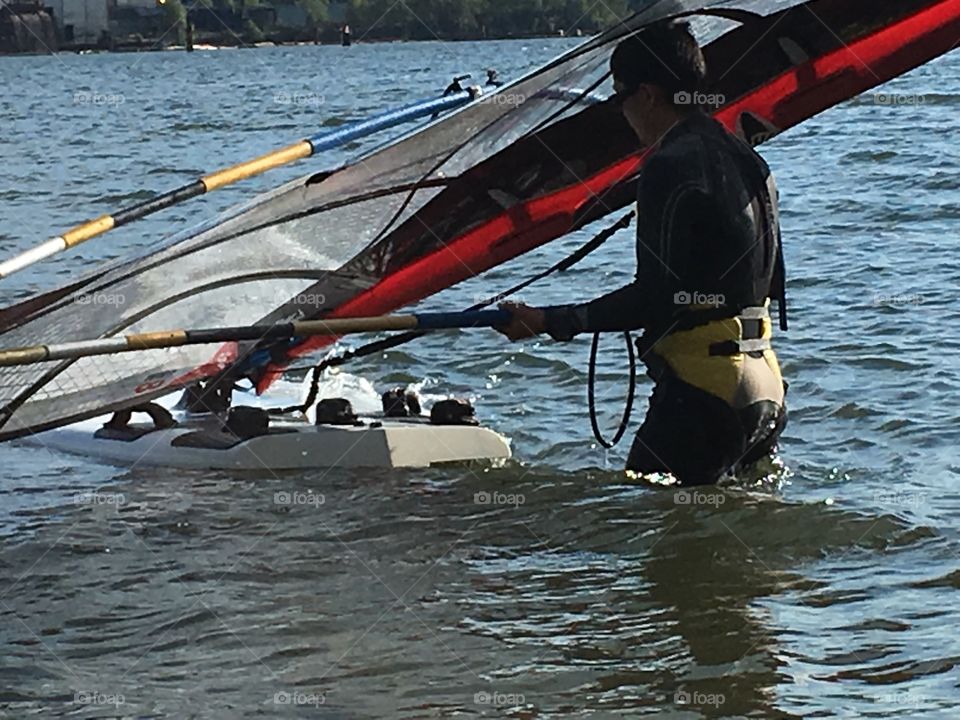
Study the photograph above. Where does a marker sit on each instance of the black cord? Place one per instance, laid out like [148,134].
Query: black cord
[396,341]
[365,351]
[591,392]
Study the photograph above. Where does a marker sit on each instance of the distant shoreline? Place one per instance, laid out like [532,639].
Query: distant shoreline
[140,25]
[149,45]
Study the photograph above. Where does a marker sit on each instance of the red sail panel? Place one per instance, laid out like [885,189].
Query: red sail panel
[442,204]
[784,102]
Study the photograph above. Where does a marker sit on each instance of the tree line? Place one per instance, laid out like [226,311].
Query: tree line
[407,19]
[466,19]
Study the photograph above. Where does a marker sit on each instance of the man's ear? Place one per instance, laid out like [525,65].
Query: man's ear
[638,100]
[656,95]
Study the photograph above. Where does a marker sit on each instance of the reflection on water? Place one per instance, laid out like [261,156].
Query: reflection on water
[415,594]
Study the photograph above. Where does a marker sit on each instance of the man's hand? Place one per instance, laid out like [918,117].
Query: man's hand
[527,322]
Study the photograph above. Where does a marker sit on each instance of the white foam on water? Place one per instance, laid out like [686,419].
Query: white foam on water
[334,384]
[337,384]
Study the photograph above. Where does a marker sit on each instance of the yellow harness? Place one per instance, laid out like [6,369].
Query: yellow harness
[721,358]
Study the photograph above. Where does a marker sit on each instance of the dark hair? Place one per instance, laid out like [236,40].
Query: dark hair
[666,55]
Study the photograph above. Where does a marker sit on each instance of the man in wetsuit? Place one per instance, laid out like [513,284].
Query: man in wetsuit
[709,261]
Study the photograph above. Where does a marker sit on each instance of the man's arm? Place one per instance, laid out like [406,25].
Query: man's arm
[671,210]
[623,309]
[672,207]
[564,322]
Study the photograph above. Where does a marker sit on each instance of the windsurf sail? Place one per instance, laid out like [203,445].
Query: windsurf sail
[498,178]
[228,176]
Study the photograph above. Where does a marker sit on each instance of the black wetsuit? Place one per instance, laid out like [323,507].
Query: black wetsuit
[708,258]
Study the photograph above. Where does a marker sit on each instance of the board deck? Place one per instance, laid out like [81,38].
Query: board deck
[377,443]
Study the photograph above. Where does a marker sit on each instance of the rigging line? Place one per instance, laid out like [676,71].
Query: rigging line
[621,29]
[15,403]
[425,179]
[411,188]
[741,17]
[547,121]
[227,176]
[398,340]
[388,227]
[130,268]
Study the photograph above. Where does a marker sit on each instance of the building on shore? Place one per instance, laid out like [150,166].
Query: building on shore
[49,25]
[26,26]
[86,24]
[140,21]
[81,23]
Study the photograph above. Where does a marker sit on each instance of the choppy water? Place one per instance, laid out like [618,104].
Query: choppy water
[834,596]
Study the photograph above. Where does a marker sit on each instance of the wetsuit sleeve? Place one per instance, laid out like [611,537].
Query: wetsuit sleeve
[620,310]
[670,206]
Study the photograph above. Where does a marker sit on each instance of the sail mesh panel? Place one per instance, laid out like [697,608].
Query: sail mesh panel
[314,244]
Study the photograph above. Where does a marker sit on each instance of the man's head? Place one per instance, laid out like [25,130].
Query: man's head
[657,74]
